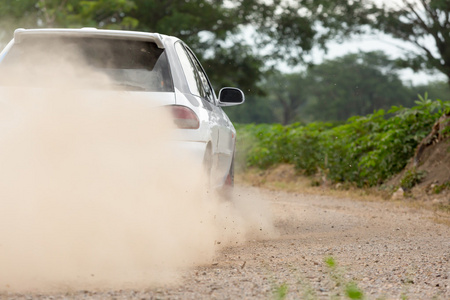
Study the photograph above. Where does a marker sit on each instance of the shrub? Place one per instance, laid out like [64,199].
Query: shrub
[365,150]
[411,178]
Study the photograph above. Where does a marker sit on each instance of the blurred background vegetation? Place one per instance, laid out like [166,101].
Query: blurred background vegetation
[350,118]
[256,45]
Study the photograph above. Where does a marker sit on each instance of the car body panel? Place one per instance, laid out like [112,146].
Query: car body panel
[215,135]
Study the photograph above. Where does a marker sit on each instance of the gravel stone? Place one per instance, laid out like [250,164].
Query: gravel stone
[389,251]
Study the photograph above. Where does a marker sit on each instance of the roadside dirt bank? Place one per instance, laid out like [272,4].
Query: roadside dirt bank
[385,250]
[284,177]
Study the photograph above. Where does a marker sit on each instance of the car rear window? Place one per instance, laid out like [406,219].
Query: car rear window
[129,64]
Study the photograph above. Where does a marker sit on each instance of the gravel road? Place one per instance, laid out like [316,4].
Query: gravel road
[381,249]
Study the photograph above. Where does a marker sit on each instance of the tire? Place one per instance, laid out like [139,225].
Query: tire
[229,182]
[226,191]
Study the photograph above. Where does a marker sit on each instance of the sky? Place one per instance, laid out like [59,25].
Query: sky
[377,43]
[392,47]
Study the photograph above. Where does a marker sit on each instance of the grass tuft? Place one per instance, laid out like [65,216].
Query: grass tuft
[281,291]
[330,262]
[353,291]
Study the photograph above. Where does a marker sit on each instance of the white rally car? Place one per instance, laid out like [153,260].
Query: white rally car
[165,68]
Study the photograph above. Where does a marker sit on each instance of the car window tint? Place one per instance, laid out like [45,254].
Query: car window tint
[192,76]
[208,91]
[129,64]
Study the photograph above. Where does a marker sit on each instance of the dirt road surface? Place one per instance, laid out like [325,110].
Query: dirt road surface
[325,249]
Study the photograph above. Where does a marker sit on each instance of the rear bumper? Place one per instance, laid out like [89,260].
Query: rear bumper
[194,151]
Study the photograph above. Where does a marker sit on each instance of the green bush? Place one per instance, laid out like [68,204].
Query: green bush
[439,188]
[365,150]
[411,178]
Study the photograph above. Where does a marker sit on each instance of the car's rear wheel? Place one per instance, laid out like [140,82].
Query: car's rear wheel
[229,182]
[226,191]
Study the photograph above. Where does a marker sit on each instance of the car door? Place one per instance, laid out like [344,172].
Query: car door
[219,122]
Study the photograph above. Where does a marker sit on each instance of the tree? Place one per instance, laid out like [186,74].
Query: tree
[257,109]
[109,14]
[434,90]
[354,84]
[286,94]
[287,91]
[422,23]
[217,30]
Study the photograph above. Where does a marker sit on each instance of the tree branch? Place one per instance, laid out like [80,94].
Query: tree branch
[421,21]
[430,11]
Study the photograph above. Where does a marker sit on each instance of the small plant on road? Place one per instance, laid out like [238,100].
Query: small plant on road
[281,291]
[351,289]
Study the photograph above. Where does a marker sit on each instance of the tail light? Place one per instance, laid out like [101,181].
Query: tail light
[184,117]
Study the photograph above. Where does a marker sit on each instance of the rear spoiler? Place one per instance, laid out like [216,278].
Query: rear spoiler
[21,33]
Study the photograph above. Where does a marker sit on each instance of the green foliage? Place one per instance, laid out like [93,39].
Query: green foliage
[354,84]
[273,145]
[281,291]
[365,150]
[288,92]
[353,291]
[435,90]
[411,178]
[439,188]
[423,24]
[212,28]
[258,110]
[350,288]
[331,263]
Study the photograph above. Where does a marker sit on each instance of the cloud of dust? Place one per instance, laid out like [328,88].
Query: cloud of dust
[92,193]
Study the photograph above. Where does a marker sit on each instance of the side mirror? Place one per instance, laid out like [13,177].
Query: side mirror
[231,96]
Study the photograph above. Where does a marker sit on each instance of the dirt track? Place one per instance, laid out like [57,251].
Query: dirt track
[390,252]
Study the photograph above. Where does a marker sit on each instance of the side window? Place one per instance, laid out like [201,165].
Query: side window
[193,78]
[205,82]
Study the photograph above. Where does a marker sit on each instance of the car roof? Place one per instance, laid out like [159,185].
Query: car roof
[157,38]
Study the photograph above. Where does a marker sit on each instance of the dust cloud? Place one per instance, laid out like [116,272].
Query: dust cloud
[93,194]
